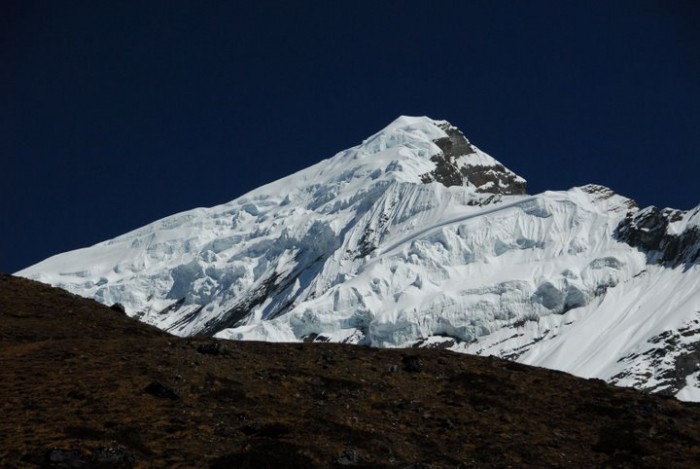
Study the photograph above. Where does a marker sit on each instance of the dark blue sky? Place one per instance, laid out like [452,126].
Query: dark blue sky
[115,114]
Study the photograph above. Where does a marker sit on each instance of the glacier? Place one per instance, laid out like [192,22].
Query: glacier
[417,238]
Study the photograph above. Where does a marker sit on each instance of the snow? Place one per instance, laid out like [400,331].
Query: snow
[357,249]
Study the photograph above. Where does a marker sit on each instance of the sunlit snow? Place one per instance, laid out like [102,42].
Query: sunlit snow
[357,249]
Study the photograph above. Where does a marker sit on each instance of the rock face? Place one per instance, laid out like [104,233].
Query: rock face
[416,237]
[453,167]
[669,237]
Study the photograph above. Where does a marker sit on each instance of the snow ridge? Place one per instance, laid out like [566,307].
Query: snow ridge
[416,237]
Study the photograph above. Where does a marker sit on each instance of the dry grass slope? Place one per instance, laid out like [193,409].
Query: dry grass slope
[84,386]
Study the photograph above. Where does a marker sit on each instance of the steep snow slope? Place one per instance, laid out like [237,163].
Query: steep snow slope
[416,237]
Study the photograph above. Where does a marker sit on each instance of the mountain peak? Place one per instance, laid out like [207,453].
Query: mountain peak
[449,158]
[415,237]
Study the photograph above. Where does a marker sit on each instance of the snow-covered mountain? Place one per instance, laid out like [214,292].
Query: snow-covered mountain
[417,238]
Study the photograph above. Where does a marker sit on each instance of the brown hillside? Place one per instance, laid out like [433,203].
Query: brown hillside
[85,386]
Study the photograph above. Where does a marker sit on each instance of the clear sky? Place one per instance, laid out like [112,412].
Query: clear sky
[115,114]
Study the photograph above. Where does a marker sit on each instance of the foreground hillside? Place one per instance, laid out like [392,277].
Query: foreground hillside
[85,386]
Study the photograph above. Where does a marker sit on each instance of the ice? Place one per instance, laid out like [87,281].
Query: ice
[358,249]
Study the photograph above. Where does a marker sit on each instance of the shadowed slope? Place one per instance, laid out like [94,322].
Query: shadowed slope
[84,385]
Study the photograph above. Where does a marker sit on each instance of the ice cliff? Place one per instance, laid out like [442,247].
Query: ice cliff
[416,237]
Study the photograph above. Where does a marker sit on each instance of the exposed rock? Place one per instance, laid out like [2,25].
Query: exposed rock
[118,307]
[112,457]
[412,363]
[162,391]
[451,169]
[349,458]
[103,457]
[648,231]
[213,348]
[677,352]
[66,458]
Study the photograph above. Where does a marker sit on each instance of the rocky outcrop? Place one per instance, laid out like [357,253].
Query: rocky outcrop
[453,167]
[652,231]
[674,354]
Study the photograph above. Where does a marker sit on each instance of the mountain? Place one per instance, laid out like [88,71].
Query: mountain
[85,386]
[416,237]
